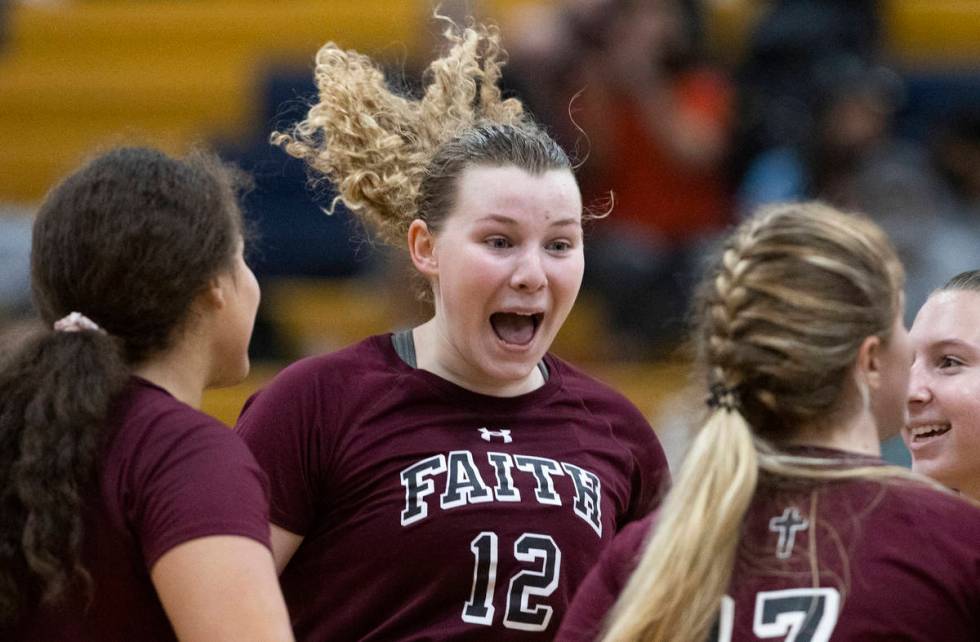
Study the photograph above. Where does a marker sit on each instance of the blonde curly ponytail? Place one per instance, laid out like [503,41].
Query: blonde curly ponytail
[379,148]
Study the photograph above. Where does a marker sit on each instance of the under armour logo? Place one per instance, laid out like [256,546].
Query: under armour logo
[486,434]
[787,525]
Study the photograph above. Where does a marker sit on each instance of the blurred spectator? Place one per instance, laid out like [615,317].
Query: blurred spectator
[956,151]
[850,122]
[954,244]
[897,186]
[791,42]
[854,160]
[655,114]
[816,120]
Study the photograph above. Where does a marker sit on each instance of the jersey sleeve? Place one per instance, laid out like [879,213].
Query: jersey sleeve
[282,425]
[197,481]
[650,475]
[599,591]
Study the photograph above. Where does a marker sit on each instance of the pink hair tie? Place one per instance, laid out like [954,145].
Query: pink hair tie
[76,322]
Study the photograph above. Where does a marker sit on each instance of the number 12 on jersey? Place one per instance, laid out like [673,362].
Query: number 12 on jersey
[536,582]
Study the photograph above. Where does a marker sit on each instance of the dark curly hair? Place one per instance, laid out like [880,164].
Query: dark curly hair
[129,240]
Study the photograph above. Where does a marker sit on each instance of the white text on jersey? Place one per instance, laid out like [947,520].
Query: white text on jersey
[464,485]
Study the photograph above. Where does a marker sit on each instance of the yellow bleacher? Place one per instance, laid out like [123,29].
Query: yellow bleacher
[938,34]
[78,76]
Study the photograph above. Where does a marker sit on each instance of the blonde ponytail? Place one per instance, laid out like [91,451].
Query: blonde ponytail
[795,291]
[687,564]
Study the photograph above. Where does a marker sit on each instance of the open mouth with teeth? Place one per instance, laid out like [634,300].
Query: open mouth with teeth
[514,328]
[924,433]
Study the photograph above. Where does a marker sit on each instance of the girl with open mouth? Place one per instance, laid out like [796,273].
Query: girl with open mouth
[453,480]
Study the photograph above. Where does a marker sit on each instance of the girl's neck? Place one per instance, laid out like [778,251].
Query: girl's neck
[182,371]
[435,354]
[858,435]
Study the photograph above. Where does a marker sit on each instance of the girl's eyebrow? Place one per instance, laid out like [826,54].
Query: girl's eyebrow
[507,220]
[952,343]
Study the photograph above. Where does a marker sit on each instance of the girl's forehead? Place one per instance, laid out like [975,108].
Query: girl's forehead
[950,314]
[551,194]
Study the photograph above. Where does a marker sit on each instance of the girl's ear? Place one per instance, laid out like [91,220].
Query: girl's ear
[214,295]
[869,363]
[421,246]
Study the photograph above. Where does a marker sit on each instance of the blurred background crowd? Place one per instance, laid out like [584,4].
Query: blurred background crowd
[684,116]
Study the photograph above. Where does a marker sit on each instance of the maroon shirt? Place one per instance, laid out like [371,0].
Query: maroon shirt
[170,474]
[897,561]
[431,512]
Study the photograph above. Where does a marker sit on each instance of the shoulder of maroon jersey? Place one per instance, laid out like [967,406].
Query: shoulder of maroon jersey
[634,535]
[913,511]
[368,355]
[152,415]
[623,554]
[576,380]
[146,401]
[331,382]
[932,508]
[597,395]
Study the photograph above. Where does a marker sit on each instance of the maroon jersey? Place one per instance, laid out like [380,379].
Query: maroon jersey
[897,561]
[431,512]
[170,474]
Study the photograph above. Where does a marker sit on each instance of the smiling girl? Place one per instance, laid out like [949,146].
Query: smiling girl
[454,480]
[784,522]
[943,432]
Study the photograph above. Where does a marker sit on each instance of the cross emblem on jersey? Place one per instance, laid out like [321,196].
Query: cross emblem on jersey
[787,525]
[487,435]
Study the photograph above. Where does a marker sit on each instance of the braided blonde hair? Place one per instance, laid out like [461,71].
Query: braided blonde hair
[394,159]
[781,318]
